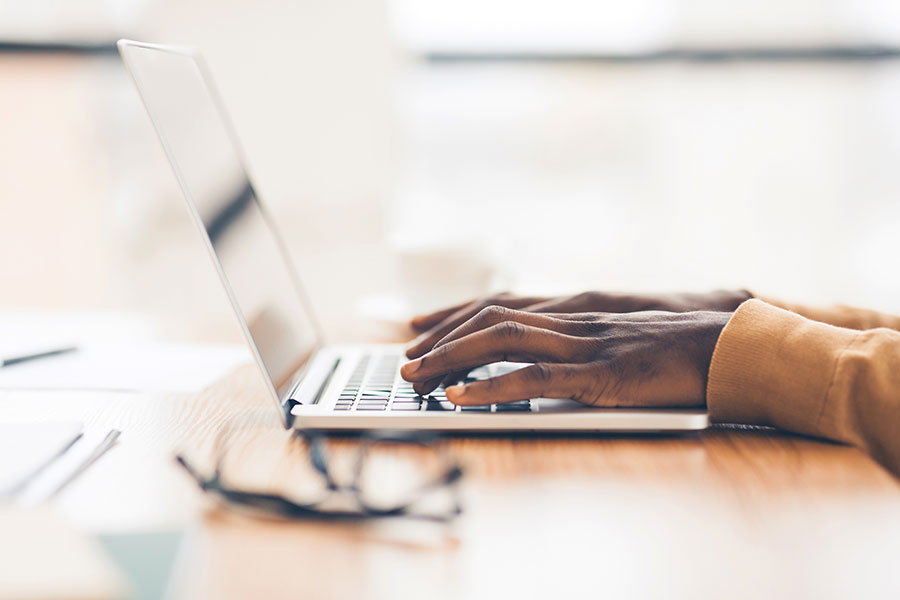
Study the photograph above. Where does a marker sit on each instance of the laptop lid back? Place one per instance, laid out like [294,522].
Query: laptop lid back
[251,259]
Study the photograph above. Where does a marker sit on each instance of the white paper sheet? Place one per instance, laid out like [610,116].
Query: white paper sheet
[152,367]
[27,448]
[90,446]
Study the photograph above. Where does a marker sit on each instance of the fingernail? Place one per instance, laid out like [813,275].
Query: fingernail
[411,367]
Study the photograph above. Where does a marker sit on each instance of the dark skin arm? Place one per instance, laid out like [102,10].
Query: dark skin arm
[649,358]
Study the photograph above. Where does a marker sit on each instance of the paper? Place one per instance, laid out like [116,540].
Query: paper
[90,445]
[28,448]
[149,367]
[117,351]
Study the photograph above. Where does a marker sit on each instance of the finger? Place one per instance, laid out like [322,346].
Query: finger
[455,377]
[427,340]
[509,340]
[423,388]
[494,315]
[424,322]
[539,380]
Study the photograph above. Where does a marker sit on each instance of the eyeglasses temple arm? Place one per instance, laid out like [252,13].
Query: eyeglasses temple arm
[203,483]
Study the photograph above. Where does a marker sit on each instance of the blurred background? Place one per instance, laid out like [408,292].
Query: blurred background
[420,152]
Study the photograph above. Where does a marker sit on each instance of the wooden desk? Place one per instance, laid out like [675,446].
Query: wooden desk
[728,512]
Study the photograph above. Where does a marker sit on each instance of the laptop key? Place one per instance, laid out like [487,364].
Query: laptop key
[513,408]
[485,408]
[479,373]
[505,369]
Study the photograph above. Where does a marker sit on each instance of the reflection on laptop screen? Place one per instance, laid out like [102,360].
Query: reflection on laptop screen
[205,157]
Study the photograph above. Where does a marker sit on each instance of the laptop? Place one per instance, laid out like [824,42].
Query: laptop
[313,385]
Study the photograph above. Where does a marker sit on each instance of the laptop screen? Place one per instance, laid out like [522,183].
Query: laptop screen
[252,261]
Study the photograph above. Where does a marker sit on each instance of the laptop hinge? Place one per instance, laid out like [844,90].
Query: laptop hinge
[288,406]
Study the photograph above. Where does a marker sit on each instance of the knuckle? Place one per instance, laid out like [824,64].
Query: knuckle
[569,372]
[493,313]
[434,358]
[510,330]
[444,340]
[440,354]
[540,373]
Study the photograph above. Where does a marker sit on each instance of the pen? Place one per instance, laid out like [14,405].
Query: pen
[14,360]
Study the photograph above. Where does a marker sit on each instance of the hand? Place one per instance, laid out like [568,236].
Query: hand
[642,359]
[436,325]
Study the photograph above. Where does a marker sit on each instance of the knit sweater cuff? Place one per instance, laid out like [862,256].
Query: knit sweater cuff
[773,367]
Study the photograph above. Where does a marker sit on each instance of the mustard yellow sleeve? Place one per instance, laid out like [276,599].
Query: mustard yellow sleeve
[774,367]
[839,315]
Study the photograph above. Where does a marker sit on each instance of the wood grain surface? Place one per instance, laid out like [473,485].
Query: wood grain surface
[727,512]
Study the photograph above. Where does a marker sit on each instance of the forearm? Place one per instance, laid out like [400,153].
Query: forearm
[773,367]
[839,315]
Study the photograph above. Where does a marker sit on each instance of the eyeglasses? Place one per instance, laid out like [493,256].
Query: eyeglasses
[379,475]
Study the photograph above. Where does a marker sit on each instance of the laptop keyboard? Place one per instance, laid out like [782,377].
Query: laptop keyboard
[375,385]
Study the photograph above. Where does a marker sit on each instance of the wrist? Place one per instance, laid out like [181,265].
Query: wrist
[709,329]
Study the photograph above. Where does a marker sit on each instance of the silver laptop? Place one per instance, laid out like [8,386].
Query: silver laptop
[313,385]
